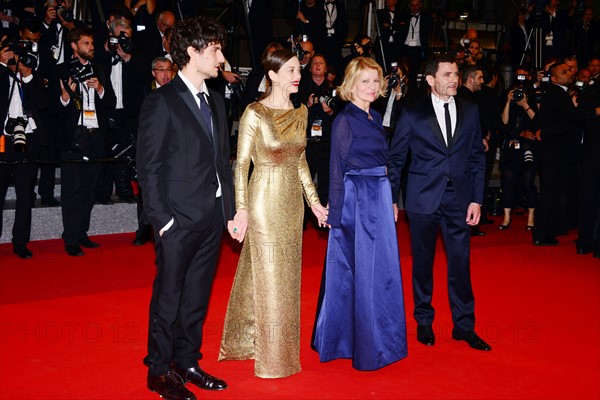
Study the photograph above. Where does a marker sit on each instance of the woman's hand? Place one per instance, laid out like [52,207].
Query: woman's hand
[237,228]
[321,213]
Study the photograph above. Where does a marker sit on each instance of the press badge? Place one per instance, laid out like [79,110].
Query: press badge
[517,145]
[316,129]
[89,118]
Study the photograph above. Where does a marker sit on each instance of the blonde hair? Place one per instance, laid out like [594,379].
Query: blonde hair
[353,70]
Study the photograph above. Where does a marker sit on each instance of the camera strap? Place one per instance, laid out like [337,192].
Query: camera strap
[16,82]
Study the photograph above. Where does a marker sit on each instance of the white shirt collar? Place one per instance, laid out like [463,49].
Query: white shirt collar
[191,87]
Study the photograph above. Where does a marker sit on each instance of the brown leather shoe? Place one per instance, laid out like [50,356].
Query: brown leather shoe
[200,378]
[170,387]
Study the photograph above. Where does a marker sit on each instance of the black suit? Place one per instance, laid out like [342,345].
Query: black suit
[388,29]
[415,54]
[560,151]
[589,175]
[443,180]
[178,161]
[37,101]
[78,181]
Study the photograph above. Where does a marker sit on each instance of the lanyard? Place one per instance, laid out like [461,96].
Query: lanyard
[416,17]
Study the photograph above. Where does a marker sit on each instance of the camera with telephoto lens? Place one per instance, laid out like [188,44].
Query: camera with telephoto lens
[329,99]
[122,40]
[392,79]
[519,93]
[15,127]
[63,10]
[297,45]
[80,72]
[26,50]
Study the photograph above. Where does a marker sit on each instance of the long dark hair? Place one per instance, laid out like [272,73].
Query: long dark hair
[273,62]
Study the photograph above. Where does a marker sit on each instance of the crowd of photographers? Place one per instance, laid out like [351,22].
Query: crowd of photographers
[69,93]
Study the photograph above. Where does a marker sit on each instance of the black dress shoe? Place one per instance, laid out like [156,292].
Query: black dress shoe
[425,335]
[74,250]
[140,240]
[88,244]
[22,251]
[106,202]
[471,338]
[200,378]
[128,199]
[50,202]
[477,232]
[545,242]
[170,387]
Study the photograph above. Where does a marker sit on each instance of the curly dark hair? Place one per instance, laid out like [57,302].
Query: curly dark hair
[198,32]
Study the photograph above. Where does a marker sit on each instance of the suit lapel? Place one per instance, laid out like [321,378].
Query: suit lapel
[459,121]
[433,122]
[190,102]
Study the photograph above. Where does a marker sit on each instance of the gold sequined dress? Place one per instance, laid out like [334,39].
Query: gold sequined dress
[263,315]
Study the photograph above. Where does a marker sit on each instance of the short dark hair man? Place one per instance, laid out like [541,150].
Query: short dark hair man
[82,108]
[186,181]
[445,189]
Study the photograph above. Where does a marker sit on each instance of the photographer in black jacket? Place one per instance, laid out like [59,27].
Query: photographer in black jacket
[317,94]
[22,98]
[82,97]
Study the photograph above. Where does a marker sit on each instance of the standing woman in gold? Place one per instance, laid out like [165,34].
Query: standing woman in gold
[263,314]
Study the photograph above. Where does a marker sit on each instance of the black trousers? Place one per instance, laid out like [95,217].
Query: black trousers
[457,239]
[589,209]
[22,175]
[78,187]
[186,262]
[550,215]
[317,158]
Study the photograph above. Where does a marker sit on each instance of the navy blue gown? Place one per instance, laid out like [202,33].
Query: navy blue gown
[361,315]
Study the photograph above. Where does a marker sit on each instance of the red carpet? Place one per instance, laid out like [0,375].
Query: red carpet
[75,328]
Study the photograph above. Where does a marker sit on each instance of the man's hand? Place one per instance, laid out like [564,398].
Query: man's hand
[6,55]
[231,77]
[65,96]
[94,83]
[473,214]
[126,57]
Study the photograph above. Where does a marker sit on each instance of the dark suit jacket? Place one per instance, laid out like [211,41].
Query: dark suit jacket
[424,29]
[176,161]
[35,95]
[560,123]
[433,162]
[68,116]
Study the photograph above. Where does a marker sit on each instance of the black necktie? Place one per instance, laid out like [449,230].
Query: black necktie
[205,111]
[448,123]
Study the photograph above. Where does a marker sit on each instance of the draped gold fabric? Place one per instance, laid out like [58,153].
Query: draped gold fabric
[263,315]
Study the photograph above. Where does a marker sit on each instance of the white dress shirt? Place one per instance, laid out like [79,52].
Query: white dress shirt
[440,114]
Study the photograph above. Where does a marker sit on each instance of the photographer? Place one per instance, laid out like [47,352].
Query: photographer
[560,123]
[82,96]
[318,96]
[391,105]
[518,152]
[58,21]
[22,98]
[116,56]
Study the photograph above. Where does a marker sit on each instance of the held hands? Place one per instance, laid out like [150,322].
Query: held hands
[237,228]
[321,213]
[473,214]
